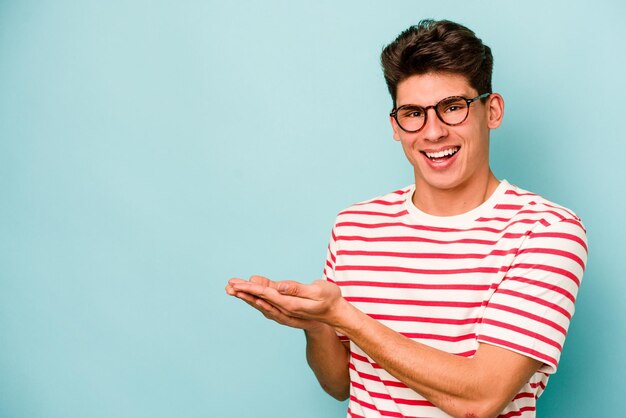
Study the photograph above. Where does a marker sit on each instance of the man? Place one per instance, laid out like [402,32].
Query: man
[452,296]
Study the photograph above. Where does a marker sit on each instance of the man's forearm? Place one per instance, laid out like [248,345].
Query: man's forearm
[476,387]
[328,358]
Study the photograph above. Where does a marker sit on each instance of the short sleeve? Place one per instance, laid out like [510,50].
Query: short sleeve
[329,268]
[531,309]
[331,258]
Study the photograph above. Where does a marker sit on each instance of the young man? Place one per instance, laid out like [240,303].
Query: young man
[452,296]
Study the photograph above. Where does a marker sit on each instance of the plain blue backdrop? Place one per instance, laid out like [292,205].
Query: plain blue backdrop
[150,150]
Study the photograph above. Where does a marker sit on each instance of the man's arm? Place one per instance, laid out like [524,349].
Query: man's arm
[481,386]
[466,387]
[327,356]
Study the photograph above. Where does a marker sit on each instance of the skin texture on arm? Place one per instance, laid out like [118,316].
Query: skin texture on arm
[462,387]
[326,355]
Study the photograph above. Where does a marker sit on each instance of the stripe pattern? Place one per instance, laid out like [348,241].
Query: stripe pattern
[506,273]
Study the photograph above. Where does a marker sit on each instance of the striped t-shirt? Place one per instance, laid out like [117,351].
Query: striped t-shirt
[505,273]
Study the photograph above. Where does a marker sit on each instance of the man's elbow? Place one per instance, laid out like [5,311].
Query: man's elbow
[339,393]
[483,408]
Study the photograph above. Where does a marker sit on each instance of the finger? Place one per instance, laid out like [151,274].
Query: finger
[268,310]
[293,288]
[235,280]
[249,299]
[275,314]
[260,280]
[255,289]
[229,290]
[256,302]
[264,281]
[291,305]
[273,309]
[267,307]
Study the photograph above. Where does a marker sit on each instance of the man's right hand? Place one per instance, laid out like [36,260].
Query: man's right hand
[327,356]
[268,310]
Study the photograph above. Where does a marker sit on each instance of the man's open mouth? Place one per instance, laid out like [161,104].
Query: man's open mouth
[441,155]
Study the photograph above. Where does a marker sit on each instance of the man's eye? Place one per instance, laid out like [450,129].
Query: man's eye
[453,107]
[412,113]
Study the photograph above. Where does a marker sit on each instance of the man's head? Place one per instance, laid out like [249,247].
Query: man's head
[438,73]
[437,47]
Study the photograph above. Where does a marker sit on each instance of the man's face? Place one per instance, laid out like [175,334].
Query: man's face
[467,164]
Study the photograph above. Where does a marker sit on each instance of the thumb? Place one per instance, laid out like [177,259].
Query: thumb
[288,287]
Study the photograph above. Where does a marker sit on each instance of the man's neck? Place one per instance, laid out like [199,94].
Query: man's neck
[454,201]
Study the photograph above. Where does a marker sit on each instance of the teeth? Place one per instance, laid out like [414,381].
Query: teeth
[441,154]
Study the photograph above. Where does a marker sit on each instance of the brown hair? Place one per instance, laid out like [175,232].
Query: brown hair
[437,46]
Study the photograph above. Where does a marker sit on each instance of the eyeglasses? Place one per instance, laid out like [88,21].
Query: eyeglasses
[451,111]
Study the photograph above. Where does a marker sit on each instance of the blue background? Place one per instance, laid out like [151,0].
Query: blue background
[151,150]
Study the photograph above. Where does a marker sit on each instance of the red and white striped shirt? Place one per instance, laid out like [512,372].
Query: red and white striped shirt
[505,273]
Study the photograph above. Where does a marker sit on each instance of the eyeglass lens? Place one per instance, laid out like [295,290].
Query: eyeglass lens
[451,111]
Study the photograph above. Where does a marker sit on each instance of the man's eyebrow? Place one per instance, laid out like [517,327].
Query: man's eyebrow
[455,96]
[410,105]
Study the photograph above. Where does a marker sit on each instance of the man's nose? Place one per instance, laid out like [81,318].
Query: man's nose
[434,129]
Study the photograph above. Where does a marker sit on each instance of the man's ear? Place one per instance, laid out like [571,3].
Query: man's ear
[495,110]
[395,127]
